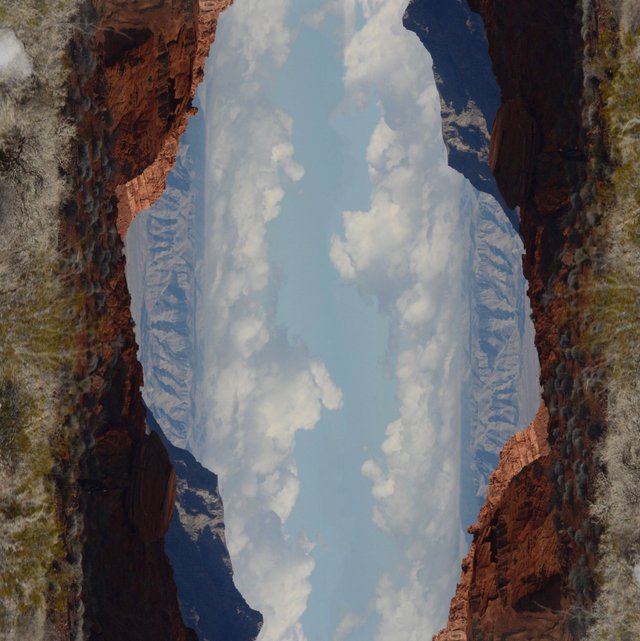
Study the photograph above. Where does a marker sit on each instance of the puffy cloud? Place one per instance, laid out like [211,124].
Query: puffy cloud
[349,622]
[405,610]
[253,30]
[432,252]
[256,390]
[412,249]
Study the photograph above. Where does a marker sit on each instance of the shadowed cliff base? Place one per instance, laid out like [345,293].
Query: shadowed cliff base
[209,601]
[469,93]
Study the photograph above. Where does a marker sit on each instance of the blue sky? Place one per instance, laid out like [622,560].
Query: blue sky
[336,324]
[334,320]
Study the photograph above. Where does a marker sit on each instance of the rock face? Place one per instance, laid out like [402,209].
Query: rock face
[528,576]
[469,94]
[209,601]
[488,557]
[154,53]
[512,151]
[152,493]
[134,70]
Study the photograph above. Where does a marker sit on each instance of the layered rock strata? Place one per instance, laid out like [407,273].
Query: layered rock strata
[154,54]
[134,71]
[529,573]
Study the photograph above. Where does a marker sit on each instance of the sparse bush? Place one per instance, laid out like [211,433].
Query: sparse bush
[614,335]
[36,340]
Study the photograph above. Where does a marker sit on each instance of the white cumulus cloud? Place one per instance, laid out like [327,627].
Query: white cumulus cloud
[411,249]
[256,390]
[433,252]
[349,622]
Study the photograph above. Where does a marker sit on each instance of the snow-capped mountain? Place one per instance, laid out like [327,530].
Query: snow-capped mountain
[161,263]
[505,391]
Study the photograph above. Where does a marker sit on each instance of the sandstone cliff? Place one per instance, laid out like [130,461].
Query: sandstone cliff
[135,69]
[154,53]
[495,571]
[528,575]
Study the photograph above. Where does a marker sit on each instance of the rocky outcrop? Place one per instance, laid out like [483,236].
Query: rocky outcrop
[469,94]
[489,573]
[528,575]
[154,53]
[209,600]
[135,68]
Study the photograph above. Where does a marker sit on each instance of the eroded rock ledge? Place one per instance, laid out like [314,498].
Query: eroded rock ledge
[154,55]
[528,576]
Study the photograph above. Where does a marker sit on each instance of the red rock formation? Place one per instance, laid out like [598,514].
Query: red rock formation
[498,575]
[154,53]
[130,98]
[527,575]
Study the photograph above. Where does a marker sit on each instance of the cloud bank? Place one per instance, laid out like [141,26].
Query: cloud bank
[411,250]
[256,390]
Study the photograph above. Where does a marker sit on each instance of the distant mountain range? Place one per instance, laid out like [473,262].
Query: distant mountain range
[505,392]
[503,387]
[162,250]
[469,92]
[195,543]
[162,247]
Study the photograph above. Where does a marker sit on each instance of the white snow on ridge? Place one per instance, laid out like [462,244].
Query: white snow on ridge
[504,364]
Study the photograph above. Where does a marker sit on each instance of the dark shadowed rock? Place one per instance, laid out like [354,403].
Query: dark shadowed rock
[210,602]
[469,94]
[512,151]
[153,489]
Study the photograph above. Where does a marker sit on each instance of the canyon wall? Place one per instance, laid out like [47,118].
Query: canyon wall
[154,53]
[134,74]
[528,575]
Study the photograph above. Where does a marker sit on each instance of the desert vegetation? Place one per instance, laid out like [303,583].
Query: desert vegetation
[37,310]
[612,114]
